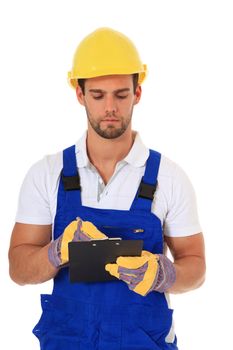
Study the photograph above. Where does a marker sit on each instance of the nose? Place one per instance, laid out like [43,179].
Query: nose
[110,104]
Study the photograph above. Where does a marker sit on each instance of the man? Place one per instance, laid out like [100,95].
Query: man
[108,185]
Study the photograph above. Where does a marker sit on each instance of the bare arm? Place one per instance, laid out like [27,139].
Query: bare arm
[28,254]
[189,261]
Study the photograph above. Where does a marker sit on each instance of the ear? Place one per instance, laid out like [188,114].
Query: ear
[80,95]
[138,94]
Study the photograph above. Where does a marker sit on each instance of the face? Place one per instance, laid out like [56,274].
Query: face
[109,103]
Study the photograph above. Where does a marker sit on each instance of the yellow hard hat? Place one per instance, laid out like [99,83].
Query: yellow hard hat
[105,52]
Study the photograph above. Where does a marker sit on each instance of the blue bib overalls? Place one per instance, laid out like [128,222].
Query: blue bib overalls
[105,315]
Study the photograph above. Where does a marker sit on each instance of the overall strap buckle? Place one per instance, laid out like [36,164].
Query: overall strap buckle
[71,182]
[147,191]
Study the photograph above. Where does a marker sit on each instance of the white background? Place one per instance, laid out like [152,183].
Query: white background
[185,113]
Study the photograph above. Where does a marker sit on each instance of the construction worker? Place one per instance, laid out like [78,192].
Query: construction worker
[109,184]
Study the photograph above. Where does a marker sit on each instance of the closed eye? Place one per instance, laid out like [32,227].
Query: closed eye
[122,96]
[97,97]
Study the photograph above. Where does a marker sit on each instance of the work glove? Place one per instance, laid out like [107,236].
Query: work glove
[144,274]
[77,230]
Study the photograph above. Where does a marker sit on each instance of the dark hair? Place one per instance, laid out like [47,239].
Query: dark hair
[81,83]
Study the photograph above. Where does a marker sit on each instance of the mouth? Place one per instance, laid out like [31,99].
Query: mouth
[110,120]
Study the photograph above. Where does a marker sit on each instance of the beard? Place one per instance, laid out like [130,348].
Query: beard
[110,131]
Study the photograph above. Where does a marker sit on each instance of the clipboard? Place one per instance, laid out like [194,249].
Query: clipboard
[87,259]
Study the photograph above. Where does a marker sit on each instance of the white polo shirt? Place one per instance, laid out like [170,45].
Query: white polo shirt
[174,201]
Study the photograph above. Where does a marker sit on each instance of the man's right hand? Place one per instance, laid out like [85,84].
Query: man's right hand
[77,230]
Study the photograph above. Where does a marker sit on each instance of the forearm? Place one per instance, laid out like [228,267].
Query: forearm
[29,264]
[190,274]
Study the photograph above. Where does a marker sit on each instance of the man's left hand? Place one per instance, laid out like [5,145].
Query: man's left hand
[145,273]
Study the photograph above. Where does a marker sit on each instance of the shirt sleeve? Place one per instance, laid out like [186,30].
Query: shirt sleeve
[182,216]
[33,202]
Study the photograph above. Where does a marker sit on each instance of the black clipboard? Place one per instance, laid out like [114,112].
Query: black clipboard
[87,260]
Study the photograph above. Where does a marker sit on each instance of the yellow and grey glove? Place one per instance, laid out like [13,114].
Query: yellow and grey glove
[144,274]
[77,230]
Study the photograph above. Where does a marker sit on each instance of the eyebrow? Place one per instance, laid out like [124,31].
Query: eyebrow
[115,91]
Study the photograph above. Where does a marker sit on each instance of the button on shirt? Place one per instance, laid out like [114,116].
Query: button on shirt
[174,201]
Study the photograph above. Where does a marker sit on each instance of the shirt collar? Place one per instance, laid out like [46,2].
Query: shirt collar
[138,153]
[81,152]
[136,157]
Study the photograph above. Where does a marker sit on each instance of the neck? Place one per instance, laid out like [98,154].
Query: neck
[104,154]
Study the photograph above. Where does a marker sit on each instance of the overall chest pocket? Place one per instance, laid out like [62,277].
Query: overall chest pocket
[123,232]
[150,237]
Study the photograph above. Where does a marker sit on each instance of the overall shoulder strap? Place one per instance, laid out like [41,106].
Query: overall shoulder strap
[70,175]
[69,189]
[145,194]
